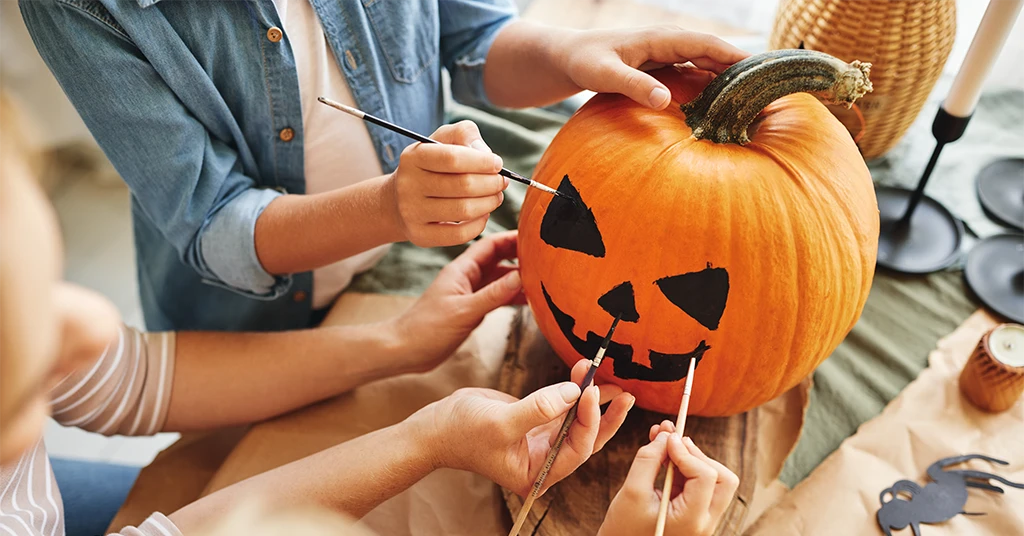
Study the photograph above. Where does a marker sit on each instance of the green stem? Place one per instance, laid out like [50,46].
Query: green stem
[731,102]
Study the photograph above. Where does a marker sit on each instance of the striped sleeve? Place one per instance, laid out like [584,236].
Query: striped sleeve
[125,392]
[155,525]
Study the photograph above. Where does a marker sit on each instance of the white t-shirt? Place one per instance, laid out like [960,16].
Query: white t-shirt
[338,150]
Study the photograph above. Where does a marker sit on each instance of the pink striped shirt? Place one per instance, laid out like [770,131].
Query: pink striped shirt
[126,392]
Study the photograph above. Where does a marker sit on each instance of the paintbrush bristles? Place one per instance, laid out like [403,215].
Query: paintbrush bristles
[339,106]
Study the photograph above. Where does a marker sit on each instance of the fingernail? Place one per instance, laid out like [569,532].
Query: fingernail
[506,181]
[632,400]
[479,145]
[658,97]
[689,442]
[569,391]
[662,436]
[513,281]
[497,161]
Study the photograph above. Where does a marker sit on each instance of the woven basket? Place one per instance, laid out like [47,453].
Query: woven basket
[906,41]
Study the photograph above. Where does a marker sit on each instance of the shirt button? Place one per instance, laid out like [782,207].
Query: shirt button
[299,296]
[351,59]
[286,134]
[274,34]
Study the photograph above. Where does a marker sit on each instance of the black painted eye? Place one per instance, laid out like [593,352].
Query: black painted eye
[702,295]
[571,224]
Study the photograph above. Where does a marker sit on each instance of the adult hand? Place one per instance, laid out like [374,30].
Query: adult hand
[472,285]
[507,440]
[444,192]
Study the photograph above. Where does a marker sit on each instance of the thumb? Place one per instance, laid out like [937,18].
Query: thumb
[543,406]
[497,293]
[637,85]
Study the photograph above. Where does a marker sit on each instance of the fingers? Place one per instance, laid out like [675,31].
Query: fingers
[443,158]
[481,257]
[433,210]
[646,465]
[725,485]
[465,185]
[446,234]
[496,294]
[579,443]
[699,487]
[462,133]
[663,426]
[675,45]
[641,87]
[579,372]
[541,407]
[613,417]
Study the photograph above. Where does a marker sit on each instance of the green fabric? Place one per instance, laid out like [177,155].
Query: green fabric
[902,320]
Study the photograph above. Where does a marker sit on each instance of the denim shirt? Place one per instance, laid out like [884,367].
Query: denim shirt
[196,104]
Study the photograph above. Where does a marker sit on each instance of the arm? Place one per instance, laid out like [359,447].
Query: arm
[479,430]
[532,65]
[192,182]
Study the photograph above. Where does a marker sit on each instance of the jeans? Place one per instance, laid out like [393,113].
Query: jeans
[93,492]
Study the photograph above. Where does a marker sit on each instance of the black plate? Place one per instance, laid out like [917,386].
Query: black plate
[929,243]
[1001,191]
[995,272]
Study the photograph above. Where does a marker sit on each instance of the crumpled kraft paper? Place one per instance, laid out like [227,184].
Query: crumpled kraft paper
[928,421]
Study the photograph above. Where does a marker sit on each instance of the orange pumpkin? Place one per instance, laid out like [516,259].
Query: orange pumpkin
[754,256]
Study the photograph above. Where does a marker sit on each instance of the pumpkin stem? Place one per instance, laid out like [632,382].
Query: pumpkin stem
[731,102]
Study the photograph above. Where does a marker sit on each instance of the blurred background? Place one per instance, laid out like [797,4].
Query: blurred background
[93,203]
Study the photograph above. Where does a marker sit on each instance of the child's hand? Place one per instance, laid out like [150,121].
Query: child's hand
[701,491]
[507,440]
[613,61]
[444,192]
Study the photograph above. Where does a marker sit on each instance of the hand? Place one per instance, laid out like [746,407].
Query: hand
[613,61]
[469,287]
[507,440]
[701,490]
[444,192]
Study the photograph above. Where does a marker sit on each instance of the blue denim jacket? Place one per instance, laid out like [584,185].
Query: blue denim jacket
[189,100]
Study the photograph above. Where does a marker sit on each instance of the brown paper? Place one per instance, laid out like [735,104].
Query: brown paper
[447,501]
[928,421]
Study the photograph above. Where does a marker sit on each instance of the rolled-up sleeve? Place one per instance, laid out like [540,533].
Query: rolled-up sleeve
[188,182]
[468,29]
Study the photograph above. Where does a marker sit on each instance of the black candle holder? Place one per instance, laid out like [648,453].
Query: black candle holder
[1001,191]
[917,234]
[995,273]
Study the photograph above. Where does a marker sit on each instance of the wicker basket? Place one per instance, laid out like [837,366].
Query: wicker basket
[906,41]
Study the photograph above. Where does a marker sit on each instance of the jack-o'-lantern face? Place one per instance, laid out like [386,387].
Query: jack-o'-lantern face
[755,259]
[701,295]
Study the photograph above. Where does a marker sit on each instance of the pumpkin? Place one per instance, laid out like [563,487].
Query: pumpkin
[739,228]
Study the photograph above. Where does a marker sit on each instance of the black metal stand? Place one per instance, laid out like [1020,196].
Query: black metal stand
[918,235]
[995,272]
[1001,191]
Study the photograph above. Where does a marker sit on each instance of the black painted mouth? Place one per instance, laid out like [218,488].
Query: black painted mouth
[664,367]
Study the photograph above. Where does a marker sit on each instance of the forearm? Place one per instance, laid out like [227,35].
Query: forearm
[353,477]
[298,233]
[523,67]
[224,379]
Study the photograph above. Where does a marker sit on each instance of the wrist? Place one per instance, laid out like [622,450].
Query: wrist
[387,208]
[422,430]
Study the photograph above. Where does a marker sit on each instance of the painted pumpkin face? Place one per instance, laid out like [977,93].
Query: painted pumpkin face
[754,259]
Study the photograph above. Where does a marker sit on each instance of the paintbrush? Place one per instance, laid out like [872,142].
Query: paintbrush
[562,433]
[666,491]
[423,139]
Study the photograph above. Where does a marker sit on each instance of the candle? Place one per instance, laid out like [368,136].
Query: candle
[993,378]
[988,41]
[1006,343]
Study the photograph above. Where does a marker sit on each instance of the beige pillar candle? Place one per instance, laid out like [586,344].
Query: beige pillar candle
[988,41]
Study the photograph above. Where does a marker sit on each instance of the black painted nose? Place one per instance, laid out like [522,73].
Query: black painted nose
[619,302]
